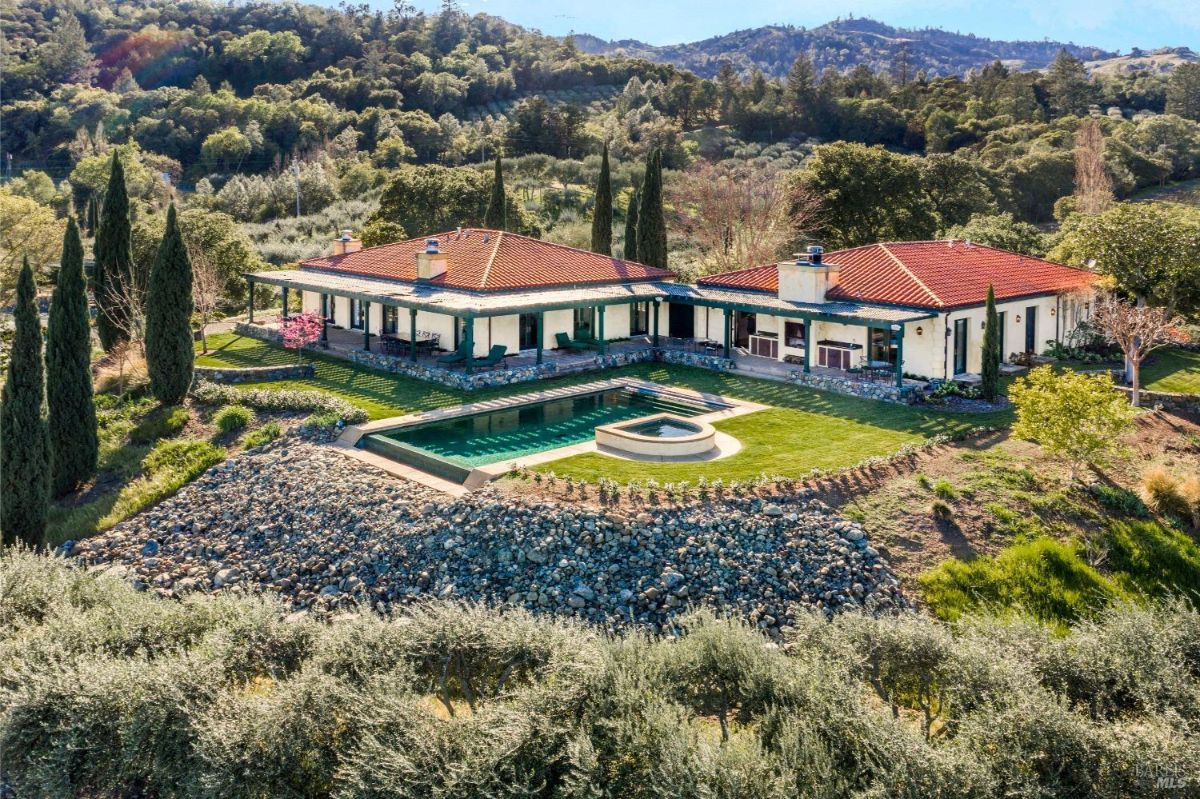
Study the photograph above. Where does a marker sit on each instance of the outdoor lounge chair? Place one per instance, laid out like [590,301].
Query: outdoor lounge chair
[495,355]
[565,342]
[457,356]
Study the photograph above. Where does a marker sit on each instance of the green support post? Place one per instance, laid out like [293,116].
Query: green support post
[900,357]
[325,330]
[808,345]
[600,329]
[657,309]
[469,341]
[250,300]
[284,291]
[728,324]
[412,334]
[541,327]
[366,327]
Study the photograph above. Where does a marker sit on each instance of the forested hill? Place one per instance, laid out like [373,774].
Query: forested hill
[844,44]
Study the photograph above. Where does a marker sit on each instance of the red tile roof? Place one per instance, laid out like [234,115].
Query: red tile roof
[490,260]
[925,274]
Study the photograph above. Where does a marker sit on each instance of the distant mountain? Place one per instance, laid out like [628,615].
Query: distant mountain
[844,44]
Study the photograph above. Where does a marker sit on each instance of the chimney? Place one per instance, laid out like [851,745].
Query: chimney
[808,278]
[346,244]
[433,262]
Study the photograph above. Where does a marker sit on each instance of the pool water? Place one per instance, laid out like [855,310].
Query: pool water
[455,446]
[662,428]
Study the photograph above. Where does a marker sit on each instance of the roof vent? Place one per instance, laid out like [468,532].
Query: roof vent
[458,233]
[801,258]
[816,253]
[487,237]
[967,244]
[345,243]
[432,246]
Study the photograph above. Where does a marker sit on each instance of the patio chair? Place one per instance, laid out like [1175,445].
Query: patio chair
[495,355]
[457,356]
[565,342]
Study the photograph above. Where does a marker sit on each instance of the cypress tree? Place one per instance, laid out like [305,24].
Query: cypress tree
[989,372]
[114,257]
[602,214]
[170,354]
[652,222]
[93,216]
[494,218]
[74,442]
[631,225]
[24,442]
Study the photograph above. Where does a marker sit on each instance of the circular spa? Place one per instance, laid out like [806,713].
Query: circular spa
[661,436]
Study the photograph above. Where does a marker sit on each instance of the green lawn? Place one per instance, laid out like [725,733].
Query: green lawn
[802,430]
[1172,370]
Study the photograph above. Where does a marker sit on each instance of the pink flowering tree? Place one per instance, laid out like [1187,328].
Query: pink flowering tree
[300,331]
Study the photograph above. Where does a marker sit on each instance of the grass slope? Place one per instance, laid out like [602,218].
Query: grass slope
[801,431]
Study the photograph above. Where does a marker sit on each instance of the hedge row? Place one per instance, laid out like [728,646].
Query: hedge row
[269,399]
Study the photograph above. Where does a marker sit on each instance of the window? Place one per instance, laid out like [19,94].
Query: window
[794,334]
[639,319]
[358,315]
[391,319]
[882,346]
[960,346]
[584,318]
[528,331]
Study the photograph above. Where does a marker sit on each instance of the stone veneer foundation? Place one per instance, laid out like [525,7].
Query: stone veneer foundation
[253,374]
[888,392]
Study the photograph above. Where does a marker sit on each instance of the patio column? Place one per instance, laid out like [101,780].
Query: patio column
[469,341]
[284,292]
[325,330]
[899,356]
[657,309]
[541,334]
[600,328]
[250,300]
[808,345]
[728,323]
[366,326]
[412,334]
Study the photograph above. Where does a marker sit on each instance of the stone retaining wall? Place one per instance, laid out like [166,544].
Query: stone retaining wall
[254,374]
[1172,403]
[714,362]
[258,331]
[888,392]
[454,378]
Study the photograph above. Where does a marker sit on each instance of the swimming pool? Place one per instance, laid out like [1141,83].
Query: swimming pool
[451,448]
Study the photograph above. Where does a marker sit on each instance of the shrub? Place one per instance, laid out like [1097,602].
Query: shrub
[232,418]
[1160,489]
[285,400]
[941,510]
[263,435]
[1189,492]
[944,489]
[326,419]
[163,422]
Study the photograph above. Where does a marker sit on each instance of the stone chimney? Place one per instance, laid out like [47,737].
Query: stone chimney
[808,278]
[433,262]
[345,244]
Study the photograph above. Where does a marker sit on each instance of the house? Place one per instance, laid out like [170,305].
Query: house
[883,310]
[945,282]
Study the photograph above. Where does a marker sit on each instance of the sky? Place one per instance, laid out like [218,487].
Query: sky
[1111,24]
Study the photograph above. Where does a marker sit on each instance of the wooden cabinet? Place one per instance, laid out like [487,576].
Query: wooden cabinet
[764,346]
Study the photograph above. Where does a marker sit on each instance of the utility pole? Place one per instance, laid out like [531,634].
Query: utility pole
[296,173]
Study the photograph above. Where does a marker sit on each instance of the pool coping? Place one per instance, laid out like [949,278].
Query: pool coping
[347,442]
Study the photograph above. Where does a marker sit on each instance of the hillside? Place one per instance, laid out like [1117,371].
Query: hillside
[1159,61]
[843,44]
